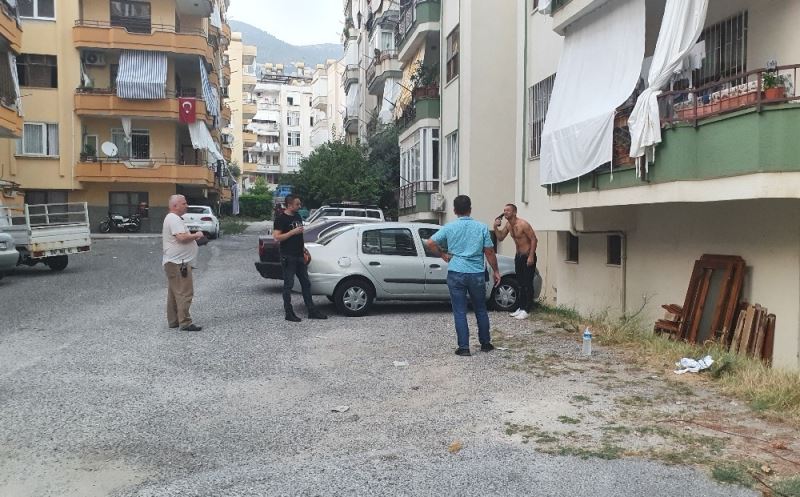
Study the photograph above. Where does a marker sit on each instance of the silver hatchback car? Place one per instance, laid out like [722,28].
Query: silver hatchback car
[356,265]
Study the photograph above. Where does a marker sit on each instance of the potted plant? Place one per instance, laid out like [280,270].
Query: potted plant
[426,80]
[89,154]
[774,85]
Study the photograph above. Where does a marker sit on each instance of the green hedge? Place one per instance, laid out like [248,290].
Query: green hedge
[256,206]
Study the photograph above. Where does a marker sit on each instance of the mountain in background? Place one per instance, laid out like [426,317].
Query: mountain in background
[271,49]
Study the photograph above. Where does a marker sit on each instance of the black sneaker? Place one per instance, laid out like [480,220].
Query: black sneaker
[488,347]
[293,318]
[192,327]
[463,352]
[315,314]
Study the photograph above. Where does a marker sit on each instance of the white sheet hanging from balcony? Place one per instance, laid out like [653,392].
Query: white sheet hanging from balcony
[680,28]
[12,62]
[267,115]
[202,139]
[210,94]
[216,17]
[142,75]
[352,99]
[351,53]
[391,91]
[599,68]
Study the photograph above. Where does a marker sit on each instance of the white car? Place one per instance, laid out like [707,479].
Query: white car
[202,218]
[356,265]
[346,209]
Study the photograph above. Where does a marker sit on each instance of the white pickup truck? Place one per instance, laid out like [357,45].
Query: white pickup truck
[47,233]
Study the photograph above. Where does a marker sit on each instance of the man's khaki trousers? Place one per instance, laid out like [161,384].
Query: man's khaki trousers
[179,295]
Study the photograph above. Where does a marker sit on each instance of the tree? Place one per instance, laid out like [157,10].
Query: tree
[383,158]
[335,172]
[259,187]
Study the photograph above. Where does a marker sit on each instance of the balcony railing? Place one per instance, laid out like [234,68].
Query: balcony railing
[408,15]
[407,195]
[380,57]
[180,93]
[752,89]
[139,26]
[149,162]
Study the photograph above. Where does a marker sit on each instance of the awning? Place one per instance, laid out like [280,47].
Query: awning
[351,54]
[407,85]
[210,94]
[391,91]
[680,28]
[202,139]
[142,75]
[216,17]
[267,115]
[599,68]
[12,62]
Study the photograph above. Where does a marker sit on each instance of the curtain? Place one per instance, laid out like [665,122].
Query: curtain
[391,90]
[142,75]
[209,92]
[12,60]
[52,139]
[600,65]
[126,128]
[201,139]
[681,26]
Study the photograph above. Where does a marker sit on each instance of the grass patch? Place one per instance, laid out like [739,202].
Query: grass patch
[763,388]
[790,487]
[568,420]
[735,474]
[606,451]
[232,226]
[582,399]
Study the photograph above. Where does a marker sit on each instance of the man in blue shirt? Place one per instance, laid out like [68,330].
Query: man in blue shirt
[467,243]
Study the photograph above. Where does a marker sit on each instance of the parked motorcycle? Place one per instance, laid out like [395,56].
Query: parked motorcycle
[116,222]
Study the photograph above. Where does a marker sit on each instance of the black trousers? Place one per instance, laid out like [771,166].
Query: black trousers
[295,266]
[525,275]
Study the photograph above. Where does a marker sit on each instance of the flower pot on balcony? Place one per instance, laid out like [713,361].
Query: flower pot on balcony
[775,93]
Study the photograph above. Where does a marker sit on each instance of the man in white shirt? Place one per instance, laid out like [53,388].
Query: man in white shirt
[180,249]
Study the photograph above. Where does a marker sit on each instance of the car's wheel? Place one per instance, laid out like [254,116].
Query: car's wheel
[330,298]
[504,296]
[214,235]
[354,297]
[57,263]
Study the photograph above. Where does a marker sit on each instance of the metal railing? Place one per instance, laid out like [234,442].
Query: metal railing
[42,215]
[752,89]
[9,9]
[380,57]
[140,27]
[407,195]
[182,93]
[150,162]
[408,16]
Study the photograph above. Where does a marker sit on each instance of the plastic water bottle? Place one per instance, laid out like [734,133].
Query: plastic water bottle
[587,342]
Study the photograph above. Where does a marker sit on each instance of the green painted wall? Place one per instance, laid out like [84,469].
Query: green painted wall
[430,11]
[736,144]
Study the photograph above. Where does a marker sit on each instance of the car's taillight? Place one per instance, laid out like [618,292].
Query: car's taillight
[261,248]
[206,218]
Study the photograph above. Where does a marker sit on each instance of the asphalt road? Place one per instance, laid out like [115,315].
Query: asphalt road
[98,397]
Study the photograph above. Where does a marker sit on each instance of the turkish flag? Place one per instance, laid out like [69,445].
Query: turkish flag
[188,110]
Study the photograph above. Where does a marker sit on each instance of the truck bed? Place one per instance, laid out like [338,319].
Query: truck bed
[48,230]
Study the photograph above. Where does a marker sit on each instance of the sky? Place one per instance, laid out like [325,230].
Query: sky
[299,22]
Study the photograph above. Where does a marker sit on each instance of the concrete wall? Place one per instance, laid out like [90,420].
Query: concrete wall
[236,97]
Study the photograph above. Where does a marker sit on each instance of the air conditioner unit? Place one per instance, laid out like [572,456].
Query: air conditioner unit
[94,58]
[437,202]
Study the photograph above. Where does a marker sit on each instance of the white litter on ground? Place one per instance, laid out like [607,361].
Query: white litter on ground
[400,364]
[687,365]
[341,409]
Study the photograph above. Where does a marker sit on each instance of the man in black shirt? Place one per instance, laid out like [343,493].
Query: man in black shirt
[288,230]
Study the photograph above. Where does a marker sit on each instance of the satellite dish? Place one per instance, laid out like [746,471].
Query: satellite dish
[109,149]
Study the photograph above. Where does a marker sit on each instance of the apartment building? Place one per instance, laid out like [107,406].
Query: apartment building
[327,102]
[455,108]
[278,136]
[242,59]
[620,234]
[120,72]
[11,120]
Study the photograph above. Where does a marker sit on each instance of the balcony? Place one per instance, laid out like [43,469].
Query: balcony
[105,102]
[249,54]
[420,21]
[732,139]
[320,102]
[9,29]
[351,123]
[249,138]
[156,38]
[414,201]
[384,65]
[350,76]
[249,109]
[10,122]
[249,82]
[268,168]
[167,171]
[425,105]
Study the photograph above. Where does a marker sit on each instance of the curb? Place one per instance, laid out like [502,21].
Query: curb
[124,236]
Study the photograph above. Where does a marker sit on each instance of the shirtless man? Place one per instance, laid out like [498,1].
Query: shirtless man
[525,260]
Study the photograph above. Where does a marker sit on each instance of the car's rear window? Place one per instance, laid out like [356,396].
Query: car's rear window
[197,210]
[332,234]
[374,214]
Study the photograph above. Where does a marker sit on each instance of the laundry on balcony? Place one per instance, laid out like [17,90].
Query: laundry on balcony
[210,94]
[216,17]
[407,84]
[391,92]
[9,83]
[263,129]
[202,139]
[599,68]
[267,116]
[142,75]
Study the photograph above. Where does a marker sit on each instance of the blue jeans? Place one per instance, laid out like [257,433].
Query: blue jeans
[473,285]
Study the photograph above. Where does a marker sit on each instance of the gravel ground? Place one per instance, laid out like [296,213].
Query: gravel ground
[98,397]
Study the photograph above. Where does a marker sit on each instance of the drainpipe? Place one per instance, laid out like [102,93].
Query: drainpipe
[623,256]
[524,193]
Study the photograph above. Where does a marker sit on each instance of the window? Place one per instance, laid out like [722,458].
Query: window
[39,197]
[293,160]
[387,40]
[293,138]
[394,241]
[451,144]
[90,145]
[137,148]
[572,248]
[126,203]
[614,250]
[38,139]
[452,54]
[726,50]
[538,103]
[425,234]
[131,15]
[39,71]
[355,213]
[37,9]
[293,119]
[290,100]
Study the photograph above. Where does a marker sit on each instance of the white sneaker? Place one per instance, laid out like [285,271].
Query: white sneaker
[515,313]
[521,315]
